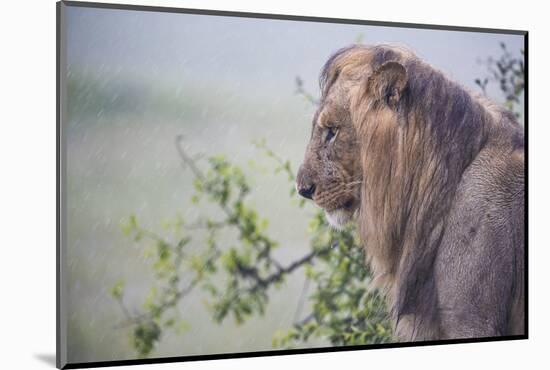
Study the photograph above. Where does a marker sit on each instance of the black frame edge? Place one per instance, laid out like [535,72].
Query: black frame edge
[61,326]
[526,177]
[288,17]
[225,356]
[57,187]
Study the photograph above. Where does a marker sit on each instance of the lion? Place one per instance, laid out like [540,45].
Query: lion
[433,175]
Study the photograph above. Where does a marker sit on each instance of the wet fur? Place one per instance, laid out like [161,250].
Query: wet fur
[440,198]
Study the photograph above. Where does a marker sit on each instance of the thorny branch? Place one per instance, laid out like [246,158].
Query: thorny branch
[248,272]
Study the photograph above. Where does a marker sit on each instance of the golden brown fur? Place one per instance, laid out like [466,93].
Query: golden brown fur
[434,177]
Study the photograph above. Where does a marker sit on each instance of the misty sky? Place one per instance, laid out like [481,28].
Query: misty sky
[252,53]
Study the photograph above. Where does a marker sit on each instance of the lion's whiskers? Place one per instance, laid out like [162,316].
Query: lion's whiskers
[327,198]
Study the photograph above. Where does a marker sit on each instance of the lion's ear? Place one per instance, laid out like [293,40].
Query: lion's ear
[388,82]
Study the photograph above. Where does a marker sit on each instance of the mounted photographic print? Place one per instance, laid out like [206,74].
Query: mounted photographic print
[235,184]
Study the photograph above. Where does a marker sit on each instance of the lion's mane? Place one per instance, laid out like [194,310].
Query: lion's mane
[419,162]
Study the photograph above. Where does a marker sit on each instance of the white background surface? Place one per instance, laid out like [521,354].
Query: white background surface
[27,188]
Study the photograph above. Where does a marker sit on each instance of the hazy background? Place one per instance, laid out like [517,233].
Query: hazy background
[137,79]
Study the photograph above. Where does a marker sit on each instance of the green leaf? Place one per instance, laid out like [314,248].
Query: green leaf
[117,291]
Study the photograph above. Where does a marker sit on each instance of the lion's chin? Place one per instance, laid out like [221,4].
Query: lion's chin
[338,218]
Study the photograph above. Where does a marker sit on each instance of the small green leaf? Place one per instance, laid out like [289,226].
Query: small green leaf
[117,291]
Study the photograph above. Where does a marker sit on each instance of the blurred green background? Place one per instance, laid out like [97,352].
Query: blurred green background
[135,80]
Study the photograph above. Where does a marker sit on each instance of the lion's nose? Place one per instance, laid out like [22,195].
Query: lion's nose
[304,183]
[307,191]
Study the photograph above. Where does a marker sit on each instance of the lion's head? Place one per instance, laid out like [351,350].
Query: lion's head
[331,174]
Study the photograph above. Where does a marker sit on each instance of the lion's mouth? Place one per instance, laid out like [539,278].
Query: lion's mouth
[349,204]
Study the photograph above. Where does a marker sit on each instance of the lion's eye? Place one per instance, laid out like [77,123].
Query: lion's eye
[331,135]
